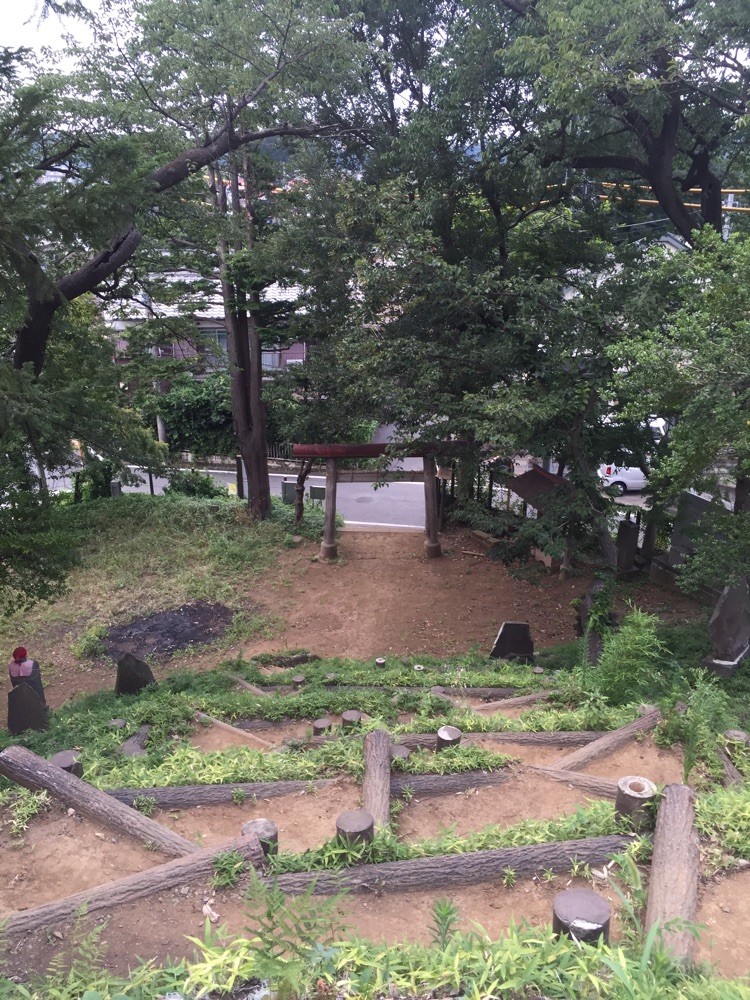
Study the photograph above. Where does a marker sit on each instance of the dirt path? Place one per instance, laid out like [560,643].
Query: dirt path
[381,597]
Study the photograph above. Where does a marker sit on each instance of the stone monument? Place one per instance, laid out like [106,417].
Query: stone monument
[729,629]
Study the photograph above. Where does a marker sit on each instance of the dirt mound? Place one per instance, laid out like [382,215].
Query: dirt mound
[164,632]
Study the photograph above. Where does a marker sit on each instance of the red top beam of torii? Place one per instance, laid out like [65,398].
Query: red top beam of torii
[416,450]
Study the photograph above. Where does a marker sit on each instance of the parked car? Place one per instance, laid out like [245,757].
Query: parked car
[621,478]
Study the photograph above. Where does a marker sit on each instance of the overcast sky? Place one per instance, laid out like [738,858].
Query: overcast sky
[22,25]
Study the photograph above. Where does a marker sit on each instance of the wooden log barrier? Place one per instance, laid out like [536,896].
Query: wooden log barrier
[560,739]
[420,785]
[608,743]
[732,774]
[132,887]
[448,870]
[247,686]
[248,737]
[525,699]
[31,771]
[600,787]
[376,786]
[182,796]
[675,867]
[185,796]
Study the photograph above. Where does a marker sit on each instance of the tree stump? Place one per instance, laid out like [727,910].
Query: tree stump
[581,914]
[116,724]
[447,736]
[400,752]
[330,679]
[321,726]
[355,826]
[267,833]
[635,799]
[298,681]
[380,662]
[350,719]
[737,736]
[70,761]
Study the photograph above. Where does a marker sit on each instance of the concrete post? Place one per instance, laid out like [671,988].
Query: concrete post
[432,547]
[328,548]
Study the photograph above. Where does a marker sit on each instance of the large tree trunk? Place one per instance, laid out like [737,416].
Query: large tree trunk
[455,870]
[127,890]
[25,768]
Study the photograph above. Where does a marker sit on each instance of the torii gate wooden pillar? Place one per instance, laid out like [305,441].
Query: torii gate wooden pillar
[332,452]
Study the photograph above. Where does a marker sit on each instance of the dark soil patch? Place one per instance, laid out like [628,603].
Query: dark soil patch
[165,632]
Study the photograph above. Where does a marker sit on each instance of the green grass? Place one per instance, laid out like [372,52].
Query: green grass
[145,554]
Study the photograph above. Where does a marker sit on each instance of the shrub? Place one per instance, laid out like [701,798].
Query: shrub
[630,658]
[191,483]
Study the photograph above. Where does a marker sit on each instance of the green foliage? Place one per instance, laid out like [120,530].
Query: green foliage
[192,483]
[228,866]
[629,659]
[198,414]
[445,915]
[89,643]
[723,817]
[144,804]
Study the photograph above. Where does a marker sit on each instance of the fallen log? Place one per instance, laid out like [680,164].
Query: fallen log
[31,771]
[526,699]
[376,785]
[454,869]
[732,776]
[225,726]
[606,744]
[126,890]
[600,787]
[446,784]
[675,867]
[183,796]
[247,686]
[551,739]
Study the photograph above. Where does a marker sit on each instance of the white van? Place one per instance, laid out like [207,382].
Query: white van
[621,478]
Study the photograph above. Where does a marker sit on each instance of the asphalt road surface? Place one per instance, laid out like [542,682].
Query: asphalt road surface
[395,504]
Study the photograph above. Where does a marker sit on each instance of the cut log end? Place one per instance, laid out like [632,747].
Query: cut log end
[581,914]
[298,681]
[380,662]
[267,833]
[355,826]
[321,726]
[447,736]
[636,797]
[399,752]
[350,719]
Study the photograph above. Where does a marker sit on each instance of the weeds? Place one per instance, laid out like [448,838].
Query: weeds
[228,866]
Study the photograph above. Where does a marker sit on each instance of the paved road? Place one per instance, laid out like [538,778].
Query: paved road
[396,504]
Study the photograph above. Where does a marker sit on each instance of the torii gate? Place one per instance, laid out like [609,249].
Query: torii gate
[332,452]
